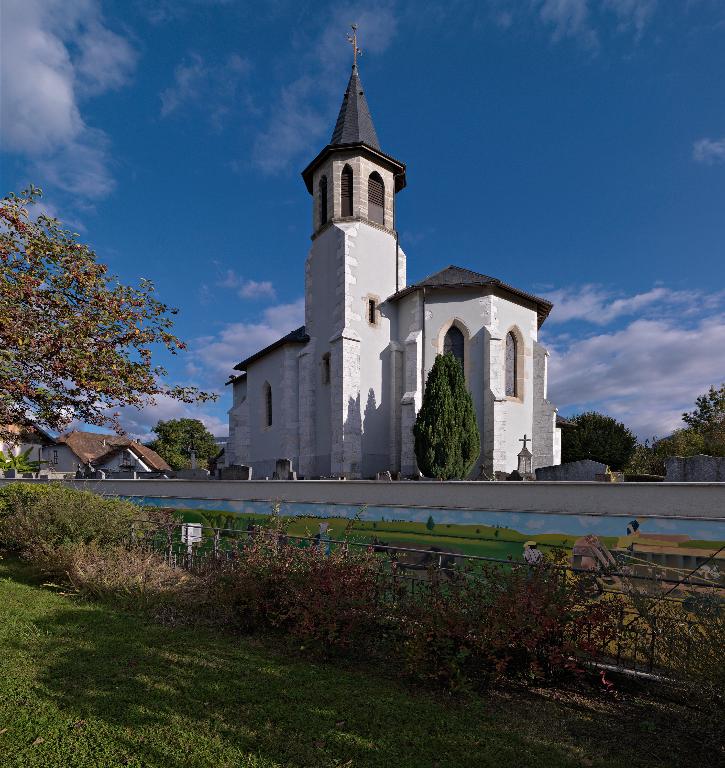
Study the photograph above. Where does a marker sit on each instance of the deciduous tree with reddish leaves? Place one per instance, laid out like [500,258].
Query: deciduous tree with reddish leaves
[75,343]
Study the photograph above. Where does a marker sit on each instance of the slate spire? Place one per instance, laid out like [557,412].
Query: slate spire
[354,124]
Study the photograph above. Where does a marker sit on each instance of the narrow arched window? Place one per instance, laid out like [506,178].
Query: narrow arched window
[323,200]
[376,199]
[511,365]
[453,344]
[346,191]
[267,394]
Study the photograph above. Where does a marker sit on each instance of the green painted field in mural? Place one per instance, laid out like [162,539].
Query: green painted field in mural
[476,540]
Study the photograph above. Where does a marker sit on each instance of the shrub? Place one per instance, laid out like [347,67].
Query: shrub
[330,601]
[522,623]
[447,442]
[134,578]
[41,520]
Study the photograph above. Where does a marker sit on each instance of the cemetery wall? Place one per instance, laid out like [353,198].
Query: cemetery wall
[674,500]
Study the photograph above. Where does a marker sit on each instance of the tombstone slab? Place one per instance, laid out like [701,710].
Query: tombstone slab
[191,474]
[284,471]
[236,472]
[573,471]
[695,469]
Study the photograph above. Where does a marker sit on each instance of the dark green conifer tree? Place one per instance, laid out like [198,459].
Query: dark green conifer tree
[447,442]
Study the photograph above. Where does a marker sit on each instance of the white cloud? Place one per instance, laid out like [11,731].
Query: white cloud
[213,86]
[251,289]
[709,151]
[214,357]
[600,306]
[139,423]
[581,20]
[645,374]
[246,289]
[53,55]
[304,108]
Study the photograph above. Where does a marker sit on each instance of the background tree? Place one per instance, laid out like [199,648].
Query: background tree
[705,433]
[447,442]
[174,437]
[708,420]
[430,523]
[75,343]
[600,438]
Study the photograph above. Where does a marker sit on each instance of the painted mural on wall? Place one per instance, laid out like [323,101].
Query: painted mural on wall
[666,548]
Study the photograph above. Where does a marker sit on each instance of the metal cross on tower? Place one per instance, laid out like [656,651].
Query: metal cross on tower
[524,440]
[352,39]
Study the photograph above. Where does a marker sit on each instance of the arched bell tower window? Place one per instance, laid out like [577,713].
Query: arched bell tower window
[376,198]
[454,343]
[323,200]
[346,191]
[512,364]
[267,395]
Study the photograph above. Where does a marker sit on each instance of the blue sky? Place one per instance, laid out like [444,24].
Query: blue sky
[583,142]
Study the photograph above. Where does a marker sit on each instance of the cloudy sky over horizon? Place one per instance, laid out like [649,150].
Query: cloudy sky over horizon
[583,142]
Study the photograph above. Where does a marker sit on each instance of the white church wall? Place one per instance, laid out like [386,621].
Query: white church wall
[373,272]
[518,413]
[485,320]
[267,442]
[462,308]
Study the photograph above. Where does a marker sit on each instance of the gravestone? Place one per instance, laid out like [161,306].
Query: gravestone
[573,471]
[284,470]
[191,474]
[695,469]
[235,472]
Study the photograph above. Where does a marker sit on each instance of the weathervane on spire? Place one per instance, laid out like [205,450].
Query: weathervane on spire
[352,39]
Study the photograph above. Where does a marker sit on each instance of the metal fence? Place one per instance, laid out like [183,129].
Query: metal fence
[657,626]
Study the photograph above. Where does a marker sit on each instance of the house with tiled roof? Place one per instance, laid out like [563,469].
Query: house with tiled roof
[340,395]
[110,453]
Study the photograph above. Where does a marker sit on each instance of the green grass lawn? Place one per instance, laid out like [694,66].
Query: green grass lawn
[85,685]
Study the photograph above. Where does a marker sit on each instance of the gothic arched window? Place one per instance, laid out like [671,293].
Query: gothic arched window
[267,394]
[453,343]
[323,200]
[346,191]
[511,365]
[376,198]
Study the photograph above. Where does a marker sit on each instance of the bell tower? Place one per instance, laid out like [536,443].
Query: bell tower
[354,264]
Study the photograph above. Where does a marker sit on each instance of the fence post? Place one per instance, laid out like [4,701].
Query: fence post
[216,543]
[168,545]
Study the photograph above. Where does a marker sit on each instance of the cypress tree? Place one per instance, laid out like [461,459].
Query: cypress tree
[447,442]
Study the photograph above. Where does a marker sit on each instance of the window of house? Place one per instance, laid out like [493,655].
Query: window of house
[454,343]
[267,392]
[55,457]
[323,200]
[376,199]
[346,191]
[511,365]
[372,312]
[326,368]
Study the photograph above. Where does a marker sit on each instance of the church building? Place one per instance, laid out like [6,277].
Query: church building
[339,396]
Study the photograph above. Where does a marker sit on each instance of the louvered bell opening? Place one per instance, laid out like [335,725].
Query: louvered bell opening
[376,199]
[323,200]
[346,191]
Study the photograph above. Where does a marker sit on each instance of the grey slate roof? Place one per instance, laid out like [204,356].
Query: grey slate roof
[354,123]
[458,277]
[298,336]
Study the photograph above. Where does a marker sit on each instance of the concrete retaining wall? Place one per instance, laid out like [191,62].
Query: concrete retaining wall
[674,500]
